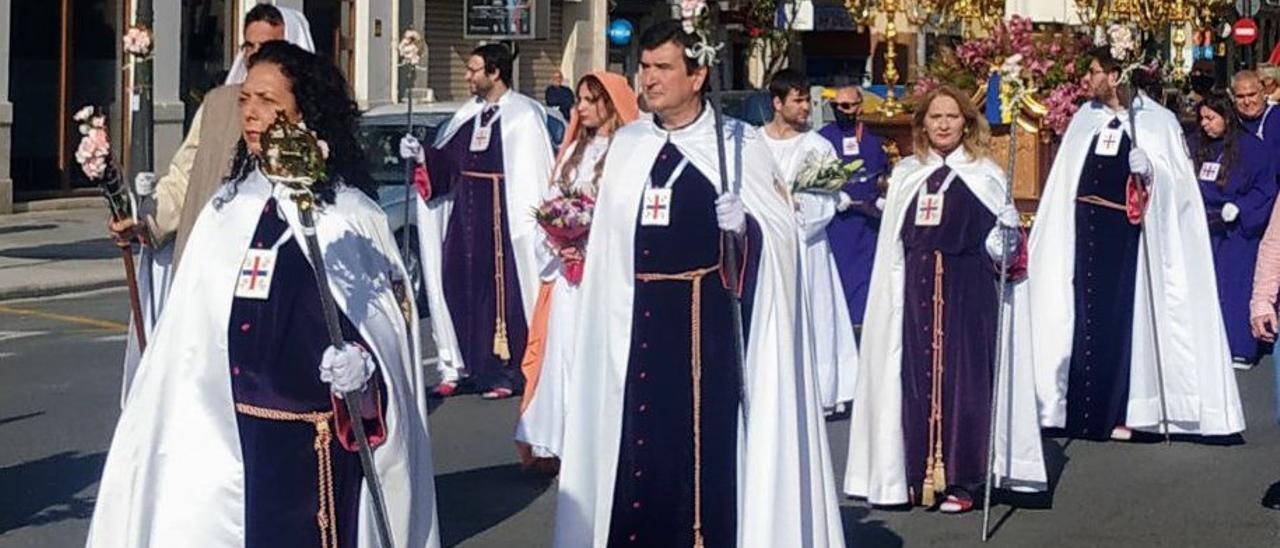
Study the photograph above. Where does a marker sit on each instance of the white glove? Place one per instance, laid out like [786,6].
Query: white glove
[411,149]
[730,213]
[1230,212]
[845,203]
[1009,216]
[144,183]
[880,203]
[346,369]
[1140,164]
[998,245]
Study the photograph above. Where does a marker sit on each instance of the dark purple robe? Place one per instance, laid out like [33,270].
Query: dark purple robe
[1105,272]
[970,307]
[1266,126]
[469,271]
[852,233]
[653,502]
[1251,185]
[274,348]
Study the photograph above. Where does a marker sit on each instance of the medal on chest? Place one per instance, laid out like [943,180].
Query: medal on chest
[929,209]
[1109,142]
[657,207]
[851,146]
[480,138]
[256,271]
[1209,171]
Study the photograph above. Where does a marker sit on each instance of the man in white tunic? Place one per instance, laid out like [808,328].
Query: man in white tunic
[1107,359]
[831,352]
[669,439]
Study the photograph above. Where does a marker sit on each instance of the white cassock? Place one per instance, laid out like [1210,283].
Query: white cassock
[155,265]
[1199,382]
[828,331]
[175,474]
[526,161]
[542,423]
[876,468]
[786,488]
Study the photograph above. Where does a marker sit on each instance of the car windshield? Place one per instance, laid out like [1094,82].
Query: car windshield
[382,148]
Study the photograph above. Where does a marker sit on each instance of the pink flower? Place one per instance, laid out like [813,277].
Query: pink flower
[95,168]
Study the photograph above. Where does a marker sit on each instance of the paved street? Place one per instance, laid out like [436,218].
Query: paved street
[59,394]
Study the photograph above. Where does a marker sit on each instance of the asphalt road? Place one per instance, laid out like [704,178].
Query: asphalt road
[59,399]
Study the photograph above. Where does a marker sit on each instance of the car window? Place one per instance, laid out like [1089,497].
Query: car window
[382,150]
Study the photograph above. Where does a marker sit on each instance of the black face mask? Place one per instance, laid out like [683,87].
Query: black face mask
[845,120]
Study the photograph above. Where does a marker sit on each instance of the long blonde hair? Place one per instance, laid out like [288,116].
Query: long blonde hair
[977,133]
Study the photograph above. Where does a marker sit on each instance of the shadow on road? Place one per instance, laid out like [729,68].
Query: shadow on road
[46,491]
[473,501]
[860,532]
[5,230]
[94,248]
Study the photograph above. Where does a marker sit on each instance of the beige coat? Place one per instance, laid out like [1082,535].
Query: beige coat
[198,168]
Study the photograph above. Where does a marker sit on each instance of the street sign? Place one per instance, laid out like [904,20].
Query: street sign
[506,19]
[1245,31]
[1248,8]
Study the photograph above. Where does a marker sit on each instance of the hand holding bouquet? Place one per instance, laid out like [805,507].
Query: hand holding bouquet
[824,173]
[566,220]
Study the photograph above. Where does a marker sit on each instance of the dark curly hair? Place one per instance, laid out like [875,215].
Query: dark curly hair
[1220,102]
[326,107]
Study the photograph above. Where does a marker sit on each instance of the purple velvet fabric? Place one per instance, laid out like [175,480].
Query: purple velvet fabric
[1105,271]
[970,305]
[470,287]
[274,349]
[1251,187]
[654,487]
[852,233]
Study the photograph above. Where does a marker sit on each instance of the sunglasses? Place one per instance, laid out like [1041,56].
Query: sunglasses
[846,106]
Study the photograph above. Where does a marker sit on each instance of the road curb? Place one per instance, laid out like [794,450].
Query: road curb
[35,290]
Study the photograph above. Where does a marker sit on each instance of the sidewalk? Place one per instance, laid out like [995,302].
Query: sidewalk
[49,252]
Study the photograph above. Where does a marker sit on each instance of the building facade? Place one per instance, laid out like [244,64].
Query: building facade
[59,55]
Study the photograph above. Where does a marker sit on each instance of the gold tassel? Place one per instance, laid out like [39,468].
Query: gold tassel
[935,472]
[500,346]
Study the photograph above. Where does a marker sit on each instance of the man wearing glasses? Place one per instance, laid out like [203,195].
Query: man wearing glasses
[853,231]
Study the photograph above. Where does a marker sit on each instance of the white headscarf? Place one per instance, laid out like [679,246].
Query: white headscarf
[297,31]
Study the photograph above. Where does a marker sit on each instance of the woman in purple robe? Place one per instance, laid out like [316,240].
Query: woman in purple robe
[1238,182]
[938,270]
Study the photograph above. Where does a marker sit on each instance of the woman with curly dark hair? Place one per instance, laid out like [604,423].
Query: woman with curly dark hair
[235,432]
[1238,184]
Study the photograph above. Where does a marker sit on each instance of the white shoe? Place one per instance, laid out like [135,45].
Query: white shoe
[1121,433]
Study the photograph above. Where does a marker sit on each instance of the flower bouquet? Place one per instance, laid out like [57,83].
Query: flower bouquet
[824,173]
[567,221]
[94,157]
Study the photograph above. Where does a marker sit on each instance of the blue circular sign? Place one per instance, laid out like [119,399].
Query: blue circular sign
[620,32]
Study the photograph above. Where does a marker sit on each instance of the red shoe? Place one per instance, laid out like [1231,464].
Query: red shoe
[498,394]
[956,504]
[444,389]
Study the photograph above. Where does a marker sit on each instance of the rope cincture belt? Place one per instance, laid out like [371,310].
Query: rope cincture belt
[695,352]
[935,471]
[501,346]
[1099,201]
[326,516]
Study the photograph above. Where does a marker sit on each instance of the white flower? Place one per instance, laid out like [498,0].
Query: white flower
[83,114]
[1011,69]
[137,41]
[99,122]
[690,12]
[324,148]
[1120,38]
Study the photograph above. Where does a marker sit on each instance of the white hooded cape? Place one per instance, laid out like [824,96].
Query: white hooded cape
[876,468]
[155,266]
[832,351]
[1198,380]
[175,475]
[526,161]
[786,486]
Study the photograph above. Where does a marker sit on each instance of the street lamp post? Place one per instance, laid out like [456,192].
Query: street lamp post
[140,152]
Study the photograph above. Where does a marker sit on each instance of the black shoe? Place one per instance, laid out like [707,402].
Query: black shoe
[1272,498]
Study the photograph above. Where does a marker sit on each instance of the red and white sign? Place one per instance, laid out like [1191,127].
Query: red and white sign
[1245,31]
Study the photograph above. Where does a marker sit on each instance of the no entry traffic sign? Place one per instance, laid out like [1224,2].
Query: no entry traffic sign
[1245,31]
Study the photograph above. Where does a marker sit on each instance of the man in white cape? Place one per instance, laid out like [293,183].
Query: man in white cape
[196,171]
[175,475]
[462,296]
[832,350]
[748,465]
[1199,392]
[877,464]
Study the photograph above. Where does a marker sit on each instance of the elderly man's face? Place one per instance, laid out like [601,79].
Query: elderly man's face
[1249,98]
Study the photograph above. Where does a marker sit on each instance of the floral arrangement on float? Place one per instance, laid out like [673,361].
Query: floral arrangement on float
[1045,71]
